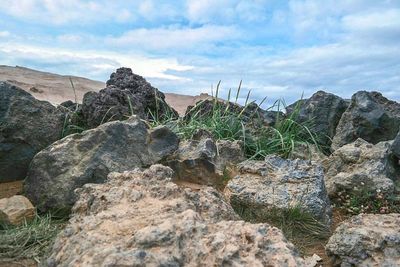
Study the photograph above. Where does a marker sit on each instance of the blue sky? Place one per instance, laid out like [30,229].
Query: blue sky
[278,48]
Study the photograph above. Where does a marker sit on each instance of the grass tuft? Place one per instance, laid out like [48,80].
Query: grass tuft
[230,121]
[31,240]
[298,225]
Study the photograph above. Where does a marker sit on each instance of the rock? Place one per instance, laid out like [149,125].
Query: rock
[366,240]
[143,219]
[395,149]
[371,117]
[323,111]
[27,126]
[203,161]
[88,158]
[360,166]
[229,153]
[15,210]
[126,94]
[251,114]
[307,152]
[278,183]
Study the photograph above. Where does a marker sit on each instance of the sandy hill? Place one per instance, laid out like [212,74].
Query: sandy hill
[57,88]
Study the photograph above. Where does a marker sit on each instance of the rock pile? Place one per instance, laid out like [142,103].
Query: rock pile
[88,158]
[128,210]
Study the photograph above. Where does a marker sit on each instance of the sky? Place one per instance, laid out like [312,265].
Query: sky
[280,49]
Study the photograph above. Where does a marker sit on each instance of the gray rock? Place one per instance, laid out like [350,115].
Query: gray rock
[360,166]
[27,126]
[252,114]
[203,161]
[366,240]
[278,183]
[371,117]
[323,111]
[126,94]
[88,157]
[143,219]
[396,146]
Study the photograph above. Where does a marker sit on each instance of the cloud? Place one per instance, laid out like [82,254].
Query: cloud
[4,34]
[174,37]
[278,48]
[206,11]
[93,64]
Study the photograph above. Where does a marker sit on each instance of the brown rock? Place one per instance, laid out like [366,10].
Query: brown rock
[16,209]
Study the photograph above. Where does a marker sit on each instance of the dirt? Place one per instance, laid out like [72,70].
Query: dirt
[57,88]
[318,248]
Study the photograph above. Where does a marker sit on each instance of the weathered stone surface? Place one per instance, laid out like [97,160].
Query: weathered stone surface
[27,126]
[307,152]
[202,161]
[251,114]
[143,219]
[278,183]
[126,94]
[15,210]
[323,111]
[396,146]
[367,240]
[360,166]
[88,158]
[371,117]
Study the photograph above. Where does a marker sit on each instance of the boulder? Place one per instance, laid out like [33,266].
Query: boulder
[371,117]
[16,210]
[143,219]
[280,184]
[201,160]
[88,158]
[322,111]
[395,149]
[366,240]
[252,113]
[27,126]
[360,166]
[126,94]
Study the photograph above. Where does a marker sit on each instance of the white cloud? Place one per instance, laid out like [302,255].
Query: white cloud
[173,37]
[4,34]
[92,63]
[206,11]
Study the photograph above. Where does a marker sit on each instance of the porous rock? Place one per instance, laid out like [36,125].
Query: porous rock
[88,158]
[201,160]
[16,210]
[143,219]
[27,126]
[366,240]
[371,117]
[360,166]
[126,94]
[278,183]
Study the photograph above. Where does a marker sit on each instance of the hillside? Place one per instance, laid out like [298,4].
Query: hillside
[57,88]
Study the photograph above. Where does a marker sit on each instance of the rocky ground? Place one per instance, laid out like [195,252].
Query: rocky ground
[132,183]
